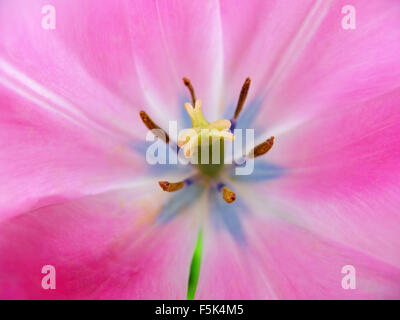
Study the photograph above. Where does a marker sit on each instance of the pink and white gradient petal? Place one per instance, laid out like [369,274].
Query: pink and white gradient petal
[343,176]
[336,204]
[47,157]
[281,260]
[106,246]
[84,66]
[174,39]
[336,67]
[256,35]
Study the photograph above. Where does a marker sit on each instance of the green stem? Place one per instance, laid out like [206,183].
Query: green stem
[195,268]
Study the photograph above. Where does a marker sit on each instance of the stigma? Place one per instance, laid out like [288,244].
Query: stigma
[202,131]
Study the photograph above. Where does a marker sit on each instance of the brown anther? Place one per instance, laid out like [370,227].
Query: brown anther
[228,195]
[242,97]
[158,132]
[262,148]
[189,85]
[171,186]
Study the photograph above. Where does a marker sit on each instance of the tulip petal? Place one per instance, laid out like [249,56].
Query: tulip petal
[108,246]
[46,157]
[342,176]
[337,67]
[284,261]
[174,39]
[85,62]
[256,35]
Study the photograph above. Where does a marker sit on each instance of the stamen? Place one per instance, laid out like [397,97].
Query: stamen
[171,186]
[262,148]
[150,124]
[189,85]
[242,97]
[227,194]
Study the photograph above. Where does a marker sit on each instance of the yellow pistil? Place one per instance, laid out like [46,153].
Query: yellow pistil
[202,130]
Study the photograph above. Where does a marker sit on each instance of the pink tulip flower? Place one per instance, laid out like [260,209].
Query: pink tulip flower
[77,194]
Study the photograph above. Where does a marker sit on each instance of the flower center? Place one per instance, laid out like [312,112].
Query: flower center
[204,143]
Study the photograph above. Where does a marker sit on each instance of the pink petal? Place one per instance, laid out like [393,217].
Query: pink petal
[84,65]
[108,246]
[48,157]
[280,260]
[256,35]
[333,67]
[174,39]
[335,205]
[342,176]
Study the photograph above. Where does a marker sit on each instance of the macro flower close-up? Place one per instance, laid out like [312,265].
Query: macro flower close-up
[110,109]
